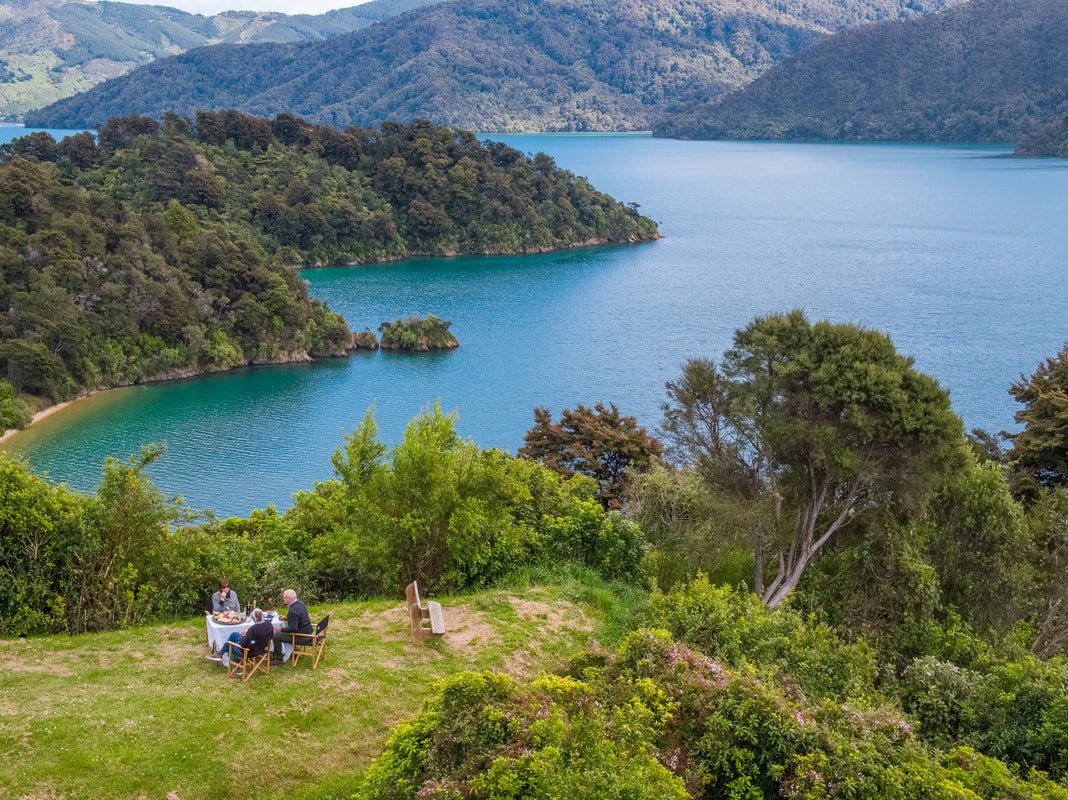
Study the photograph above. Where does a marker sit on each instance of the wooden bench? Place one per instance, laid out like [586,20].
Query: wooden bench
[419,613]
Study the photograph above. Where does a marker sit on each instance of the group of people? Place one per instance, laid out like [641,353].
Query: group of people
[259,637]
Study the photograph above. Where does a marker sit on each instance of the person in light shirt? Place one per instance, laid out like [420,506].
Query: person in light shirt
[225,599]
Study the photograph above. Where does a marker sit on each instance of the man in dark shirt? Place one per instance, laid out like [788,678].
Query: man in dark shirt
[297,621]
[256,639]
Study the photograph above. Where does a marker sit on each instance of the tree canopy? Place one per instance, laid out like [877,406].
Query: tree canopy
[598,442]
[811,426]
[1040,451]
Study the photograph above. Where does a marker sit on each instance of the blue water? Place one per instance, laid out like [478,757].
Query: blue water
[10,130]
[958,252]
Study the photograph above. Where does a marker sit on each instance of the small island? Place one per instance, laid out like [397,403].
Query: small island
[418,334]
[364,340]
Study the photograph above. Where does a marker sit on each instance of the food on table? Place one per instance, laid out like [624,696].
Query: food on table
[229,618]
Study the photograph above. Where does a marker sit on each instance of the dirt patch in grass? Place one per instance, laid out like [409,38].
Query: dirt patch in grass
[390,625]
[552,617]
[54,666]
[338,681]
[467,632]
[43,793]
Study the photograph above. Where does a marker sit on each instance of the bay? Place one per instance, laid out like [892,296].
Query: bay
[957,252]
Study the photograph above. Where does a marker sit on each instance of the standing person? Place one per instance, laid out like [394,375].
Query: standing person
[297,621]
[225,599]
[256,639]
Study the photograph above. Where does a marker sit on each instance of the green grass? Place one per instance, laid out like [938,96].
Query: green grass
[141,713]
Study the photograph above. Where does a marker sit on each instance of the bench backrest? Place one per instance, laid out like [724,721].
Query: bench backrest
[411,591]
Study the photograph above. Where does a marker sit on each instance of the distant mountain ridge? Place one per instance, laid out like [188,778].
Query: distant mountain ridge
[50,49]
[985,71]
[495,64]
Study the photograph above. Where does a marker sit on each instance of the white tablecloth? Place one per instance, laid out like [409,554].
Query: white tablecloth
[218,634]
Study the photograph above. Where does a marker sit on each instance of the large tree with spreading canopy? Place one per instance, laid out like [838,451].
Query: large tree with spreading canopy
[806,427]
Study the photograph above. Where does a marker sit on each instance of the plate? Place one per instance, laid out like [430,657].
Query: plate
[236,621]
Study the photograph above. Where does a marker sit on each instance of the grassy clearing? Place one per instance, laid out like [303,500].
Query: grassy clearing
[141,713]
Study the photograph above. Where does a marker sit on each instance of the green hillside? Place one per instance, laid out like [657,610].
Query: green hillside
[494,65]
[51,49]
[167,250]
[142,713]
[986,71]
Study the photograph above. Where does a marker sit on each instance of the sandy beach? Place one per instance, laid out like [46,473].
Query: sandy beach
[46,412]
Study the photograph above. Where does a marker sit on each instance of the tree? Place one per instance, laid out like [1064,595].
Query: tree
[810,426]
[1040,450]
[598,442]
[1047,519]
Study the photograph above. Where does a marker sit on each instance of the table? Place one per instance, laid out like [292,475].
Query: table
[218,634]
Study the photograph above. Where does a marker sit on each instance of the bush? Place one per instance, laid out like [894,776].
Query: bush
[14,413]
[735,626]
[656,718]
[435,509]
[439,510]
[483,736]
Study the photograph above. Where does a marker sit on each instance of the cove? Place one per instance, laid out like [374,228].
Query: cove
[957,252]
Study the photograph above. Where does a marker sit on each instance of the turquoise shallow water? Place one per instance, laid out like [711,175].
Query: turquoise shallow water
[958,252]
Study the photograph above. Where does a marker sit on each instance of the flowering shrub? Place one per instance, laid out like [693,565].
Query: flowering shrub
[657,718]
[736,627]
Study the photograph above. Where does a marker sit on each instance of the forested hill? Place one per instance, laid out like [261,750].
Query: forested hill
[166,248]
[494,64]
[50,49]
[988,70]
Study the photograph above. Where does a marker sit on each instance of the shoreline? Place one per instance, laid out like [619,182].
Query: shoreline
[484,254]
[48,411]
[299,357]
[291,358]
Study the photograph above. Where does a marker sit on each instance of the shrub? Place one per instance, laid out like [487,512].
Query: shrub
[734,626]
[14,413]
[657,718]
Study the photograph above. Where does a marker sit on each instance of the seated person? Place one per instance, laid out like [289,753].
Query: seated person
[256,640]
[297,621]
[225,599]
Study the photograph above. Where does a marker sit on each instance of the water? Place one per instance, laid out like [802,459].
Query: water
[957,252]
[11,130]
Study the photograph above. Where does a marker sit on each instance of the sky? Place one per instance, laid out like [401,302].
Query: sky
[285,6]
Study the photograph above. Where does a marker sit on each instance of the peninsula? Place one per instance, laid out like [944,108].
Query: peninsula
[166,249]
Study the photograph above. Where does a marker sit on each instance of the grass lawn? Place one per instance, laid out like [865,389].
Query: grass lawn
[142,714]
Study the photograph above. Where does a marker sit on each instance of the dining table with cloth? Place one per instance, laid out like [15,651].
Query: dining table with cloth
[219,633]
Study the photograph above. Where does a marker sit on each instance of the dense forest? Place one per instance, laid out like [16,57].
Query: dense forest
[491,65]
[845,595]
[55,48]
[167,248]
[1049,140]
[986,71]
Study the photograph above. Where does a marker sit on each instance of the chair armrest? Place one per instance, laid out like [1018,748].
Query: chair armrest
[302,636]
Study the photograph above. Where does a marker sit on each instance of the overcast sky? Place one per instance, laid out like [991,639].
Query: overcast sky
[285,6]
